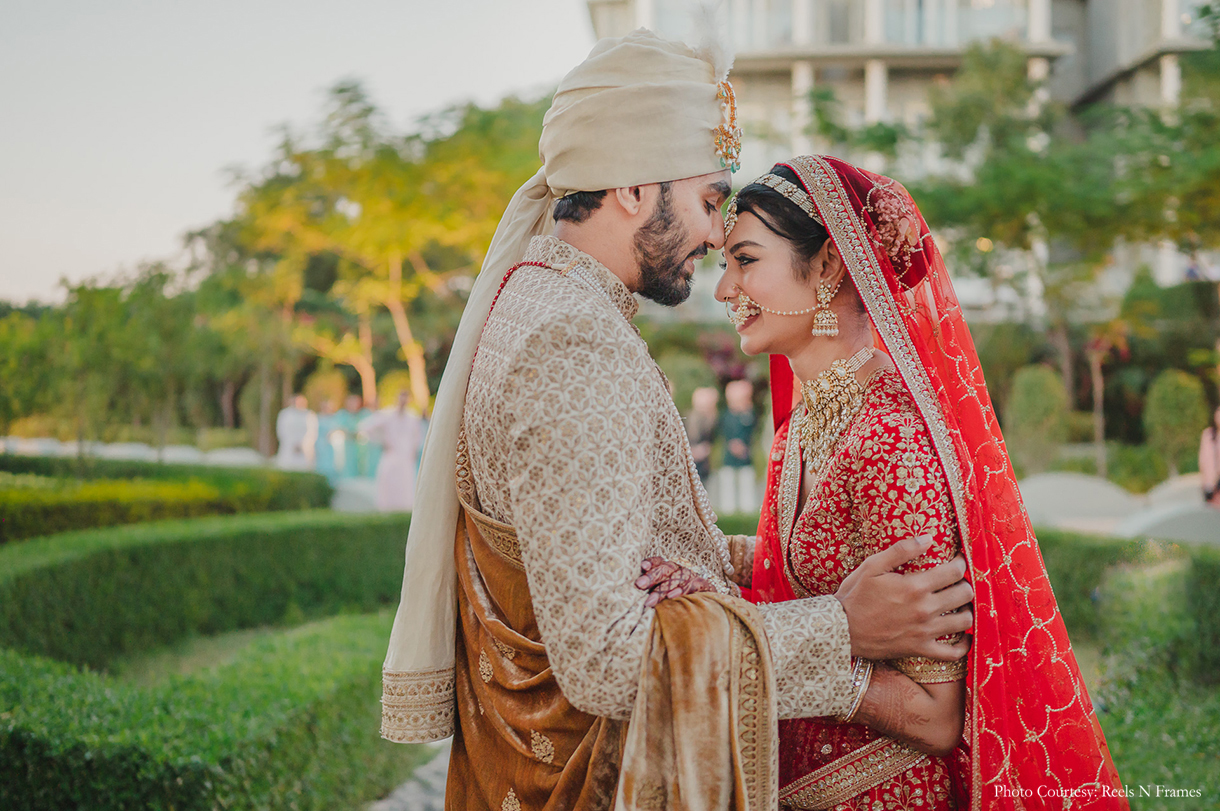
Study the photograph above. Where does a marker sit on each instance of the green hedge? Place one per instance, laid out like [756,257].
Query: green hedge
[291,723]
[86,597]
[1076,565]
[111,492]
[1203,605]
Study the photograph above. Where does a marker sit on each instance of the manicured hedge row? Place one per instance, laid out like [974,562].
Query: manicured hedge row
[107,496]
[1076,565]
[86,597]
[291,724]
[1203,605]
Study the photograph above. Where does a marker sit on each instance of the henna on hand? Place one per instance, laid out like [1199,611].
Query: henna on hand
[663,580]
[898,707]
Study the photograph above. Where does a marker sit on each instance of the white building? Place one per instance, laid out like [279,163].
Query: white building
[881,56]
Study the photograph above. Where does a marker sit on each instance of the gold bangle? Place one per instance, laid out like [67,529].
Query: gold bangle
[861,675]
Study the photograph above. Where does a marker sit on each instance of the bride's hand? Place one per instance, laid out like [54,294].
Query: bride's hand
[664,580]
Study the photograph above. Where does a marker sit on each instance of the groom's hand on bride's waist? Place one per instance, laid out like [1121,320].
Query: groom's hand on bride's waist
[891,615]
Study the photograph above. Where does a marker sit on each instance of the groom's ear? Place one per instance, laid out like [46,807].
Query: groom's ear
[630,199]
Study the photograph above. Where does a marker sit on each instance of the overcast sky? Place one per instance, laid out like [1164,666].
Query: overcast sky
[119,118]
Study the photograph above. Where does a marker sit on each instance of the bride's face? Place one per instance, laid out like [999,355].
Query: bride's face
[761,264]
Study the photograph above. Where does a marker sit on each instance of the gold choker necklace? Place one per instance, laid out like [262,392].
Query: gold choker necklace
[831,400]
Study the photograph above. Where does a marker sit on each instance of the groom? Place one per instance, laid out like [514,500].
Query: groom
[572,465]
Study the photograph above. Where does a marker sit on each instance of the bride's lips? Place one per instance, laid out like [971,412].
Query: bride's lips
[749,319]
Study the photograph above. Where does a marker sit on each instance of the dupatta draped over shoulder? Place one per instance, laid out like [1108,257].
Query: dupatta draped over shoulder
[1031,733]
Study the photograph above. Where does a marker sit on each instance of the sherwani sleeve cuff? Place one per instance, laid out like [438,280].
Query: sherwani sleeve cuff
[811,654]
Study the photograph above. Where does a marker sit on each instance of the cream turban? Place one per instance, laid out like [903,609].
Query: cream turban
[639,110]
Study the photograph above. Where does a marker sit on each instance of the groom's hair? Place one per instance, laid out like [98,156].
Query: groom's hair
[578,206]
[785,219]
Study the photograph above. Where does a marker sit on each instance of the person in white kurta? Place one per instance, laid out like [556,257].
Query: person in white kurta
[400,433]
[296,428]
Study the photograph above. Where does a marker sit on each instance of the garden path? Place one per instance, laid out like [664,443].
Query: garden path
[425,791]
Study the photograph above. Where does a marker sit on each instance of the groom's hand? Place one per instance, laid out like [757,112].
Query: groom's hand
[891,615]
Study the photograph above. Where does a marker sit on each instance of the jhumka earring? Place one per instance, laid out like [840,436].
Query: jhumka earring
[825,322]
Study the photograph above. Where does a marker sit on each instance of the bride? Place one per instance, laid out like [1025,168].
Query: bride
[884,430]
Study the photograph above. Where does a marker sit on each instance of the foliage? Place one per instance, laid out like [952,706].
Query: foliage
[1076,565]
[685,373]
[354,244]
[87,597]
[1036,417]
[1203,605]
[1175,414]
[103,492]
[1135,468]
[326,385]
[292,723]
[1161,726]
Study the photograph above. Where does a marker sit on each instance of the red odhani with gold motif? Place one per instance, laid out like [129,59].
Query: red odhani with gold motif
[925,454]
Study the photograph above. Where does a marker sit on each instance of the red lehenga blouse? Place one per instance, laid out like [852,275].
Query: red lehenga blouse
[925,454]
[882,483]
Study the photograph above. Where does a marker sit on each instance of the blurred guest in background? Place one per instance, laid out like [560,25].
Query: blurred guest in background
[1209,462]
[296,428]
[737,427]
[328,446]
[701,429]
[348,422]
[397,433]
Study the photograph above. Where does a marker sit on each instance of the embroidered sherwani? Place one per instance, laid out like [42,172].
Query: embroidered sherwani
[574,448]
[881,484]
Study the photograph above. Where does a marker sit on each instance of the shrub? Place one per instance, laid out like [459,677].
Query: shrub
[1036,416]
[1175,413]
[107,496]
[1203,606]
[292,723]
[686,372]
[87,597]
[1076,565]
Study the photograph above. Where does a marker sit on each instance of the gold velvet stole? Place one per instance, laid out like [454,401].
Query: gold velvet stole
[519,743]
[703,732]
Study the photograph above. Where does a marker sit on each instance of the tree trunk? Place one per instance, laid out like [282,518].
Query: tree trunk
[228,403]
[266,393]
[1099,414]
[411,349]
[288,373]
[364,362]
[1063,347]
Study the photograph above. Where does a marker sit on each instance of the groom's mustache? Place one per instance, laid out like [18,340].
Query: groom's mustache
[697,253]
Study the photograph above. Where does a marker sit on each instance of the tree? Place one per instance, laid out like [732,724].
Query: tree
[378,201]
[1036,416]
[1104,340]
[1174,415]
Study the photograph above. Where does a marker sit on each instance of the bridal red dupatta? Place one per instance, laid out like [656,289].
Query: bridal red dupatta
[1033,736]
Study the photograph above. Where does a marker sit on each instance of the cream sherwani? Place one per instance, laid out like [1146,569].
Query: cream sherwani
[575,442]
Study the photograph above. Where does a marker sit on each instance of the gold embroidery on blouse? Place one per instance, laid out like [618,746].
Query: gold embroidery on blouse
[505,651]
[856,772]
[511,803]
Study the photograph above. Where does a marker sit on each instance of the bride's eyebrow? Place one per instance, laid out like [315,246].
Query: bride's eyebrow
[745,243]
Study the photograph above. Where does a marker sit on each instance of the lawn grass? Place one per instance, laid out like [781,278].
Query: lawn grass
[1163,728]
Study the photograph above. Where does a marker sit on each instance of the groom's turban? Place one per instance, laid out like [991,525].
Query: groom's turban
[639,110]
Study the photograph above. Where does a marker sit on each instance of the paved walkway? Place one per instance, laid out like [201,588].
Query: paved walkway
[425,791]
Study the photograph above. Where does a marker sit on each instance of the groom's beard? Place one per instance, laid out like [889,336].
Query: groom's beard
[659,249]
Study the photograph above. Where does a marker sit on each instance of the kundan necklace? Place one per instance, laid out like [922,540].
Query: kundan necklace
[831,400]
